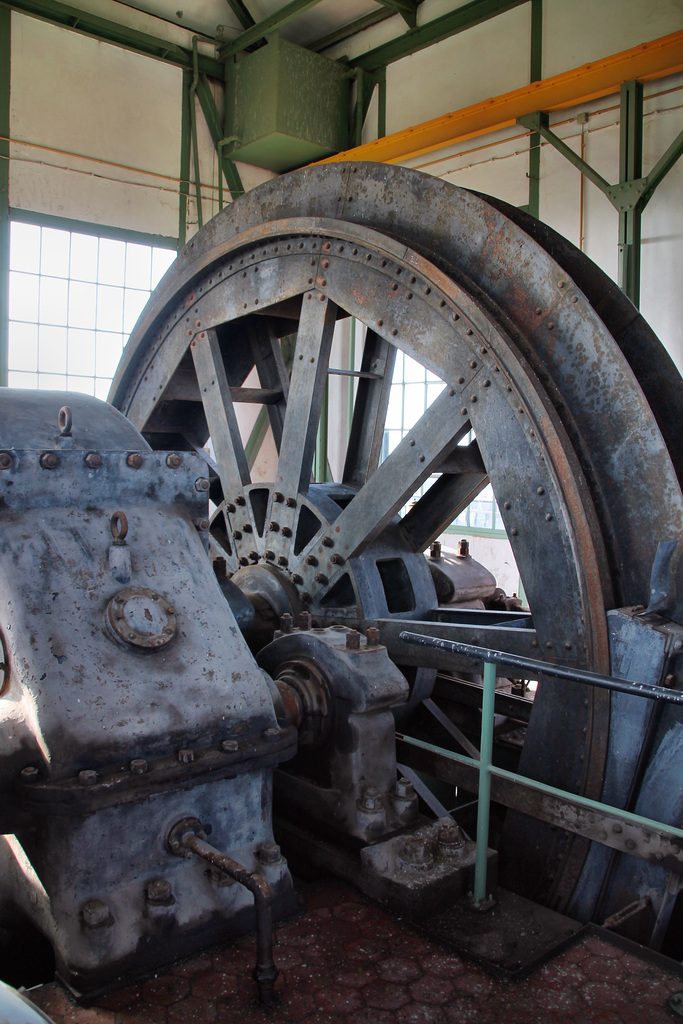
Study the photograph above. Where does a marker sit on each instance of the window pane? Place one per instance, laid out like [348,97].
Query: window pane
[102,388]
[161,261]
[134,303]
[81,353]
[23,347]
[52,382]
[52,350]
[394,420]
[84,257]
[138,266]
[23,296]
[24,247]
[109,308]
[413,371]
[86,385]
[54,300]
[414,404]
[82,304]
[112,262]
[54,252]
[22,380]
[108,349]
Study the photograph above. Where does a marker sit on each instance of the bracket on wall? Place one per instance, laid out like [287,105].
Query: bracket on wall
[634,190]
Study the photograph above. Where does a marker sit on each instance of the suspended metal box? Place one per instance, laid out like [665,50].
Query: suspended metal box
[289,107]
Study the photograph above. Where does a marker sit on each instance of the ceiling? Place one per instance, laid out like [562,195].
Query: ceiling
[205,16]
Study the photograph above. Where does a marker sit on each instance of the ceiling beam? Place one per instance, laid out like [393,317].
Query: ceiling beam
[340,34]
[270,24]
[240,11]
[406,8]
[106,31]
[471,14]
[648,61]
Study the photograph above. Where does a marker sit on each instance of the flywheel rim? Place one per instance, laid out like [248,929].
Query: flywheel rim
[326,192]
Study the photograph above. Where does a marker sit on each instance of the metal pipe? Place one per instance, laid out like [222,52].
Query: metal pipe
[485,761]
[265,972]
[538,668]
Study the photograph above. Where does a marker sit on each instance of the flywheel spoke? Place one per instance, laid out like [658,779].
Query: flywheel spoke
[306,390]
[220,413]
[397,478]
[370,410]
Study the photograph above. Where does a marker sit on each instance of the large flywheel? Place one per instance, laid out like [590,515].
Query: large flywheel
[582,468]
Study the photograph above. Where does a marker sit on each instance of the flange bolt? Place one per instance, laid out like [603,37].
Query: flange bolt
[404,788]
[450,838]
[159,892]
[201,484]
[93,460]
[173,461]
[463,547]
[49,460]
[138,766]
[29,774]
[305,620]
[371,799]
[230,746]
[372,636]
[95,914]
[435,550]
[134,460]
[353,640]
[286,623]
[87,777]
[269,853]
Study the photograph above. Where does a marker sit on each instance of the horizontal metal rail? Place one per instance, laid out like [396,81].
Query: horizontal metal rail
[669,834]
[536,668]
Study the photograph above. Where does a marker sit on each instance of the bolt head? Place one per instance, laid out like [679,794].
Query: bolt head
[173,461]
[159,891]
[405,788]
[269,853]
[49,460]
[271,734]
[93,460]
[5,460]
[138,766]
[29,774]
[371,799]
[87,777]
[134,460]
[353,640]
[201,484]
[95,913]
[230,746]
[186,756]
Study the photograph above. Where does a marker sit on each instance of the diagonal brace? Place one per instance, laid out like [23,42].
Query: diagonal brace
[406,8]
[213,120]
[626,195]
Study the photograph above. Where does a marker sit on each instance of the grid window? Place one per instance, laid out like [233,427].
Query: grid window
[73,301]
[413,390]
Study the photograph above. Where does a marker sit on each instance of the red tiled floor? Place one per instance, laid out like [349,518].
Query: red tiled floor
[346,961]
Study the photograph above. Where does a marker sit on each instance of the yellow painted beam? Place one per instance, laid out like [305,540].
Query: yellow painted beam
[647,61]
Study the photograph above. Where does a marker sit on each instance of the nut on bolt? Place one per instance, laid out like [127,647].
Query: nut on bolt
[95,914]
[29,774]
[201,484]
[159,892]
[173,461]
[134,460]
[230,746]
[371,799]
[186,756]
[5,460]
[372,636]
[93,460]
[404,788]
[269,853]
[138,766]
[353,640]
[49,460]
[87,777]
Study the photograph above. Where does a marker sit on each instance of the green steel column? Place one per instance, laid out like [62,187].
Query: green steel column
[381,103]
[630,169]
[5,27]
[535,75]
[184,160]
[484,797]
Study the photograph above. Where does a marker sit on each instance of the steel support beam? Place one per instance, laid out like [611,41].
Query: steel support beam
[406,8]
[263,28]
[111,32]
[471,14]
[649,61]
[634,190]
[213,120]
[5,45]
[535,75]
[241,13]
[631,170]
[185,131]
[351,29]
